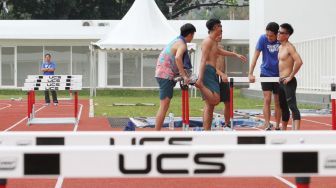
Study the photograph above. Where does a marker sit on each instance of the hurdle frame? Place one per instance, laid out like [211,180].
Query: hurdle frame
[51,82]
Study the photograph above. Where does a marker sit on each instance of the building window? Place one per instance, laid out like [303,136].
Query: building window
[149,65]
[7,66]
[81,63]
[62,57]
[29,60]
[113,68]
[132,69]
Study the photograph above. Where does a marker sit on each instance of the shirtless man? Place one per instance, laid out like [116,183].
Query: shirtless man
[289,64]
[207,81]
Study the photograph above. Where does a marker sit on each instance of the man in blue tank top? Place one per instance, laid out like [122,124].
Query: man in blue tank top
[268,45]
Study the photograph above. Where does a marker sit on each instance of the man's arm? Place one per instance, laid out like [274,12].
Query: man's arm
[297,60]
[228,53]
[253,64]
[179,61]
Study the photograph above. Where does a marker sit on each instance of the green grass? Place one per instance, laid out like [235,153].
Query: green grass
[105,99]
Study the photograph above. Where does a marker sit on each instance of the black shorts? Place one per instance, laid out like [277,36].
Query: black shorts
[224,88]
[270,86]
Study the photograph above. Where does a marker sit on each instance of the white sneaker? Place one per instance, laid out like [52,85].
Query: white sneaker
[55,104]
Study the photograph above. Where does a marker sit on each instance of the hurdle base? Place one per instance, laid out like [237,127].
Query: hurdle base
[63,120]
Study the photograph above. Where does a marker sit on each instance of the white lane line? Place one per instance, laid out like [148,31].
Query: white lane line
[290,184]
[79,116]
[59,182]
[11,127]
[91,112]
[326,124]
[8,105]
[60,179]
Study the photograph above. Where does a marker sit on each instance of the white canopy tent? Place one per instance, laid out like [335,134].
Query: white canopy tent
[144,27]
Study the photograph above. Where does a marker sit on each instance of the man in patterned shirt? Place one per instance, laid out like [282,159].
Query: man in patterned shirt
[169,65]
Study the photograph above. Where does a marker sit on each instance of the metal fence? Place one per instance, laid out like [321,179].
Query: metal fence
[319,63]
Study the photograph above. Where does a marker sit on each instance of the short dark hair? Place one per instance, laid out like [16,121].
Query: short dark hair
[47,55]
[273,27]
[288,28]
[187,28]
[210,24]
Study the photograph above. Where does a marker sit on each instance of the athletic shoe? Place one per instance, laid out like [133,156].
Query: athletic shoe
[55,104]
[277,129]
[269,128]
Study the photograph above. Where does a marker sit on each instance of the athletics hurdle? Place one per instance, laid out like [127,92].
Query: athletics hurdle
[51,82]
[220,138]
[333,105]
[167,161]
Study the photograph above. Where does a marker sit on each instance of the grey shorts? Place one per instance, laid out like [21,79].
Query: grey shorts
[166,88]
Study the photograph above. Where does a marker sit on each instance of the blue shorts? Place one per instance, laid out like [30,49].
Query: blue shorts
[166,88]
[210,79]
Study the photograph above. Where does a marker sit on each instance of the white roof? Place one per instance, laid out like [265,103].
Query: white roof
[143,27]
[52,29]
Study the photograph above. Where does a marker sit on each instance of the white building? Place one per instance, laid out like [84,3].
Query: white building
[23,44]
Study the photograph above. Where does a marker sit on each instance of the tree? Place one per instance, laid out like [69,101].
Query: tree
[182,7]
[114,9]
[69,9]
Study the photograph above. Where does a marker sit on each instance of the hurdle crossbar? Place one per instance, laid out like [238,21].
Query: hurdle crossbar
[168,161]
[54,76]
[257,79]
[62,138]
[55,80]
[56,88]
[53,84]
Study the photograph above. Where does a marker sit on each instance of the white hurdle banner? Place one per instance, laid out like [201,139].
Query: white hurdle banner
[55,80]
[257,79]
[54,84]
[168,161]
[174,138]
[55,77]
[56,88]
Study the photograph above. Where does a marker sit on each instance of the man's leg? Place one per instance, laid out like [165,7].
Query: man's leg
[284,107]
[227,113]
[267,108]
[212,97]
[46,96]
[290,90]
[277,111]
[161,114]
[54,96]
[166,94]
[207,115]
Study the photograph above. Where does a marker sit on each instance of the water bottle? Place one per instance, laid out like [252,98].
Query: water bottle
[213,124]
[171,121]
[217,122]
[185,127]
